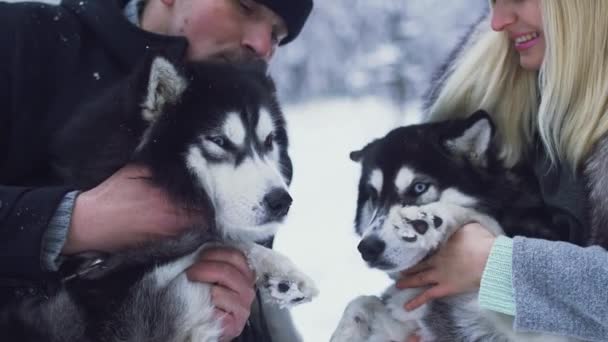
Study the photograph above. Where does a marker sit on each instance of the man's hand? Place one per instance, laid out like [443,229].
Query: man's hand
[456,268]
[232,290]
[123,211]
[127,210]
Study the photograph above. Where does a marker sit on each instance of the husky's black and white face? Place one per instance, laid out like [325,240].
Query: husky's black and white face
[239,165]
[232,141]
[414,166]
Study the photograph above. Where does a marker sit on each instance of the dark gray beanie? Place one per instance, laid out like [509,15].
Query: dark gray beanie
[294,12]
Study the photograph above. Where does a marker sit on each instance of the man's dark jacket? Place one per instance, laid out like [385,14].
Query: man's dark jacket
[52,58]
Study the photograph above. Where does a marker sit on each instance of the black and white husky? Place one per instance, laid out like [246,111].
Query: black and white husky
[418,184]
[214,137]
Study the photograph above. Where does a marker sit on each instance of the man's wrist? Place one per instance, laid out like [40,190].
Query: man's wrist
[77,239]
[55,236]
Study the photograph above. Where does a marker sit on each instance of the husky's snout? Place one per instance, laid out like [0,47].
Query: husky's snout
[371,248]
[277,203]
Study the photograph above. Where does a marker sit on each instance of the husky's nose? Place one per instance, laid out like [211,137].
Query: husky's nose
[371,248]
[277,202]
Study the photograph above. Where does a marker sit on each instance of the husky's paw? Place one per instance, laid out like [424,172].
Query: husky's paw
[418,226]
[287,289]
[419,219]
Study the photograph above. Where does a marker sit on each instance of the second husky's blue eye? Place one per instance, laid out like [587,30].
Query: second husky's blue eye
[420,188]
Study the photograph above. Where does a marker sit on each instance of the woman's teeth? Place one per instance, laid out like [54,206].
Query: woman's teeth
[526,38]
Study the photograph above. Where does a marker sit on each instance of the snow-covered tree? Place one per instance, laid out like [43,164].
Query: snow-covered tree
[381,47]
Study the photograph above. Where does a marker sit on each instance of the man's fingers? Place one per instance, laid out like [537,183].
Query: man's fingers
[230,256]
[235,312]
[420,279]
[231,328]
[220,273]
[230,302]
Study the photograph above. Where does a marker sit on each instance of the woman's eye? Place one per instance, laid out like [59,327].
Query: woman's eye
[420,188]
[218,140]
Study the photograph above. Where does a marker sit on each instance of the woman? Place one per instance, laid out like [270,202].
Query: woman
[543,74]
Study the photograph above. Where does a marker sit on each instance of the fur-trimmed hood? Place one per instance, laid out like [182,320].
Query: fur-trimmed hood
[471,35]
[596,178]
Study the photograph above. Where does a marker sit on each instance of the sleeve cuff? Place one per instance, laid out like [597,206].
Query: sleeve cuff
[57,232]
[496,290]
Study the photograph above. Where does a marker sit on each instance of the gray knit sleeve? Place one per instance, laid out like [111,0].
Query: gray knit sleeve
[57,232]
[560,288]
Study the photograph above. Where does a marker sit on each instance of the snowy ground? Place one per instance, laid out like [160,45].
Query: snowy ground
[318,235]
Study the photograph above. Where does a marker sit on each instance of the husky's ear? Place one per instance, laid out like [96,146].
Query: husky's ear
[165,85]
[474,141]
[356,155]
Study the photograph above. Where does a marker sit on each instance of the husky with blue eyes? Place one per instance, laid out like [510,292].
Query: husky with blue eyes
[213,136]
[418,185]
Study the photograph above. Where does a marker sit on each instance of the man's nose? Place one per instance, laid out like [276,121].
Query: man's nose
[259,40]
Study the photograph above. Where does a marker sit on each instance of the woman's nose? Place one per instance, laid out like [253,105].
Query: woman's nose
[502,16]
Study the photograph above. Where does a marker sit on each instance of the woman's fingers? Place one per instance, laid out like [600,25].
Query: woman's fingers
[420,279]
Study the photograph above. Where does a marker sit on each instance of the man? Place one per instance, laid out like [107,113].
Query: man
[55,57]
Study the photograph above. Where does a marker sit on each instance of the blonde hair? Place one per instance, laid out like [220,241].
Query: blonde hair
[566,103]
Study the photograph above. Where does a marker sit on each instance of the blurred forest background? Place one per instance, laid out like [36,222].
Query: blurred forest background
[387,48]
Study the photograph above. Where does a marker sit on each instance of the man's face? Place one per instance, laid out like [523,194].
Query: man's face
[226,29]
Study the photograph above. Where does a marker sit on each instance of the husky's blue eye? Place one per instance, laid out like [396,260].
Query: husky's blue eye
[420,188]
[218,140]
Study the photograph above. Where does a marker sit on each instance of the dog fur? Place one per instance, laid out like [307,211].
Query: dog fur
[213,136]
[418,185]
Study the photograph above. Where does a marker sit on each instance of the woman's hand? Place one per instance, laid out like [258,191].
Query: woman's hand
[232,286]
[456,268]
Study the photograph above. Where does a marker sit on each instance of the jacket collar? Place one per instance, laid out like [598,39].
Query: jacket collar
[125,41]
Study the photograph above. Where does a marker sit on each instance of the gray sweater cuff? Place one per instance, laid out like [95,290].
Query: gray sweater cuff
[57,232]
[560,288]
